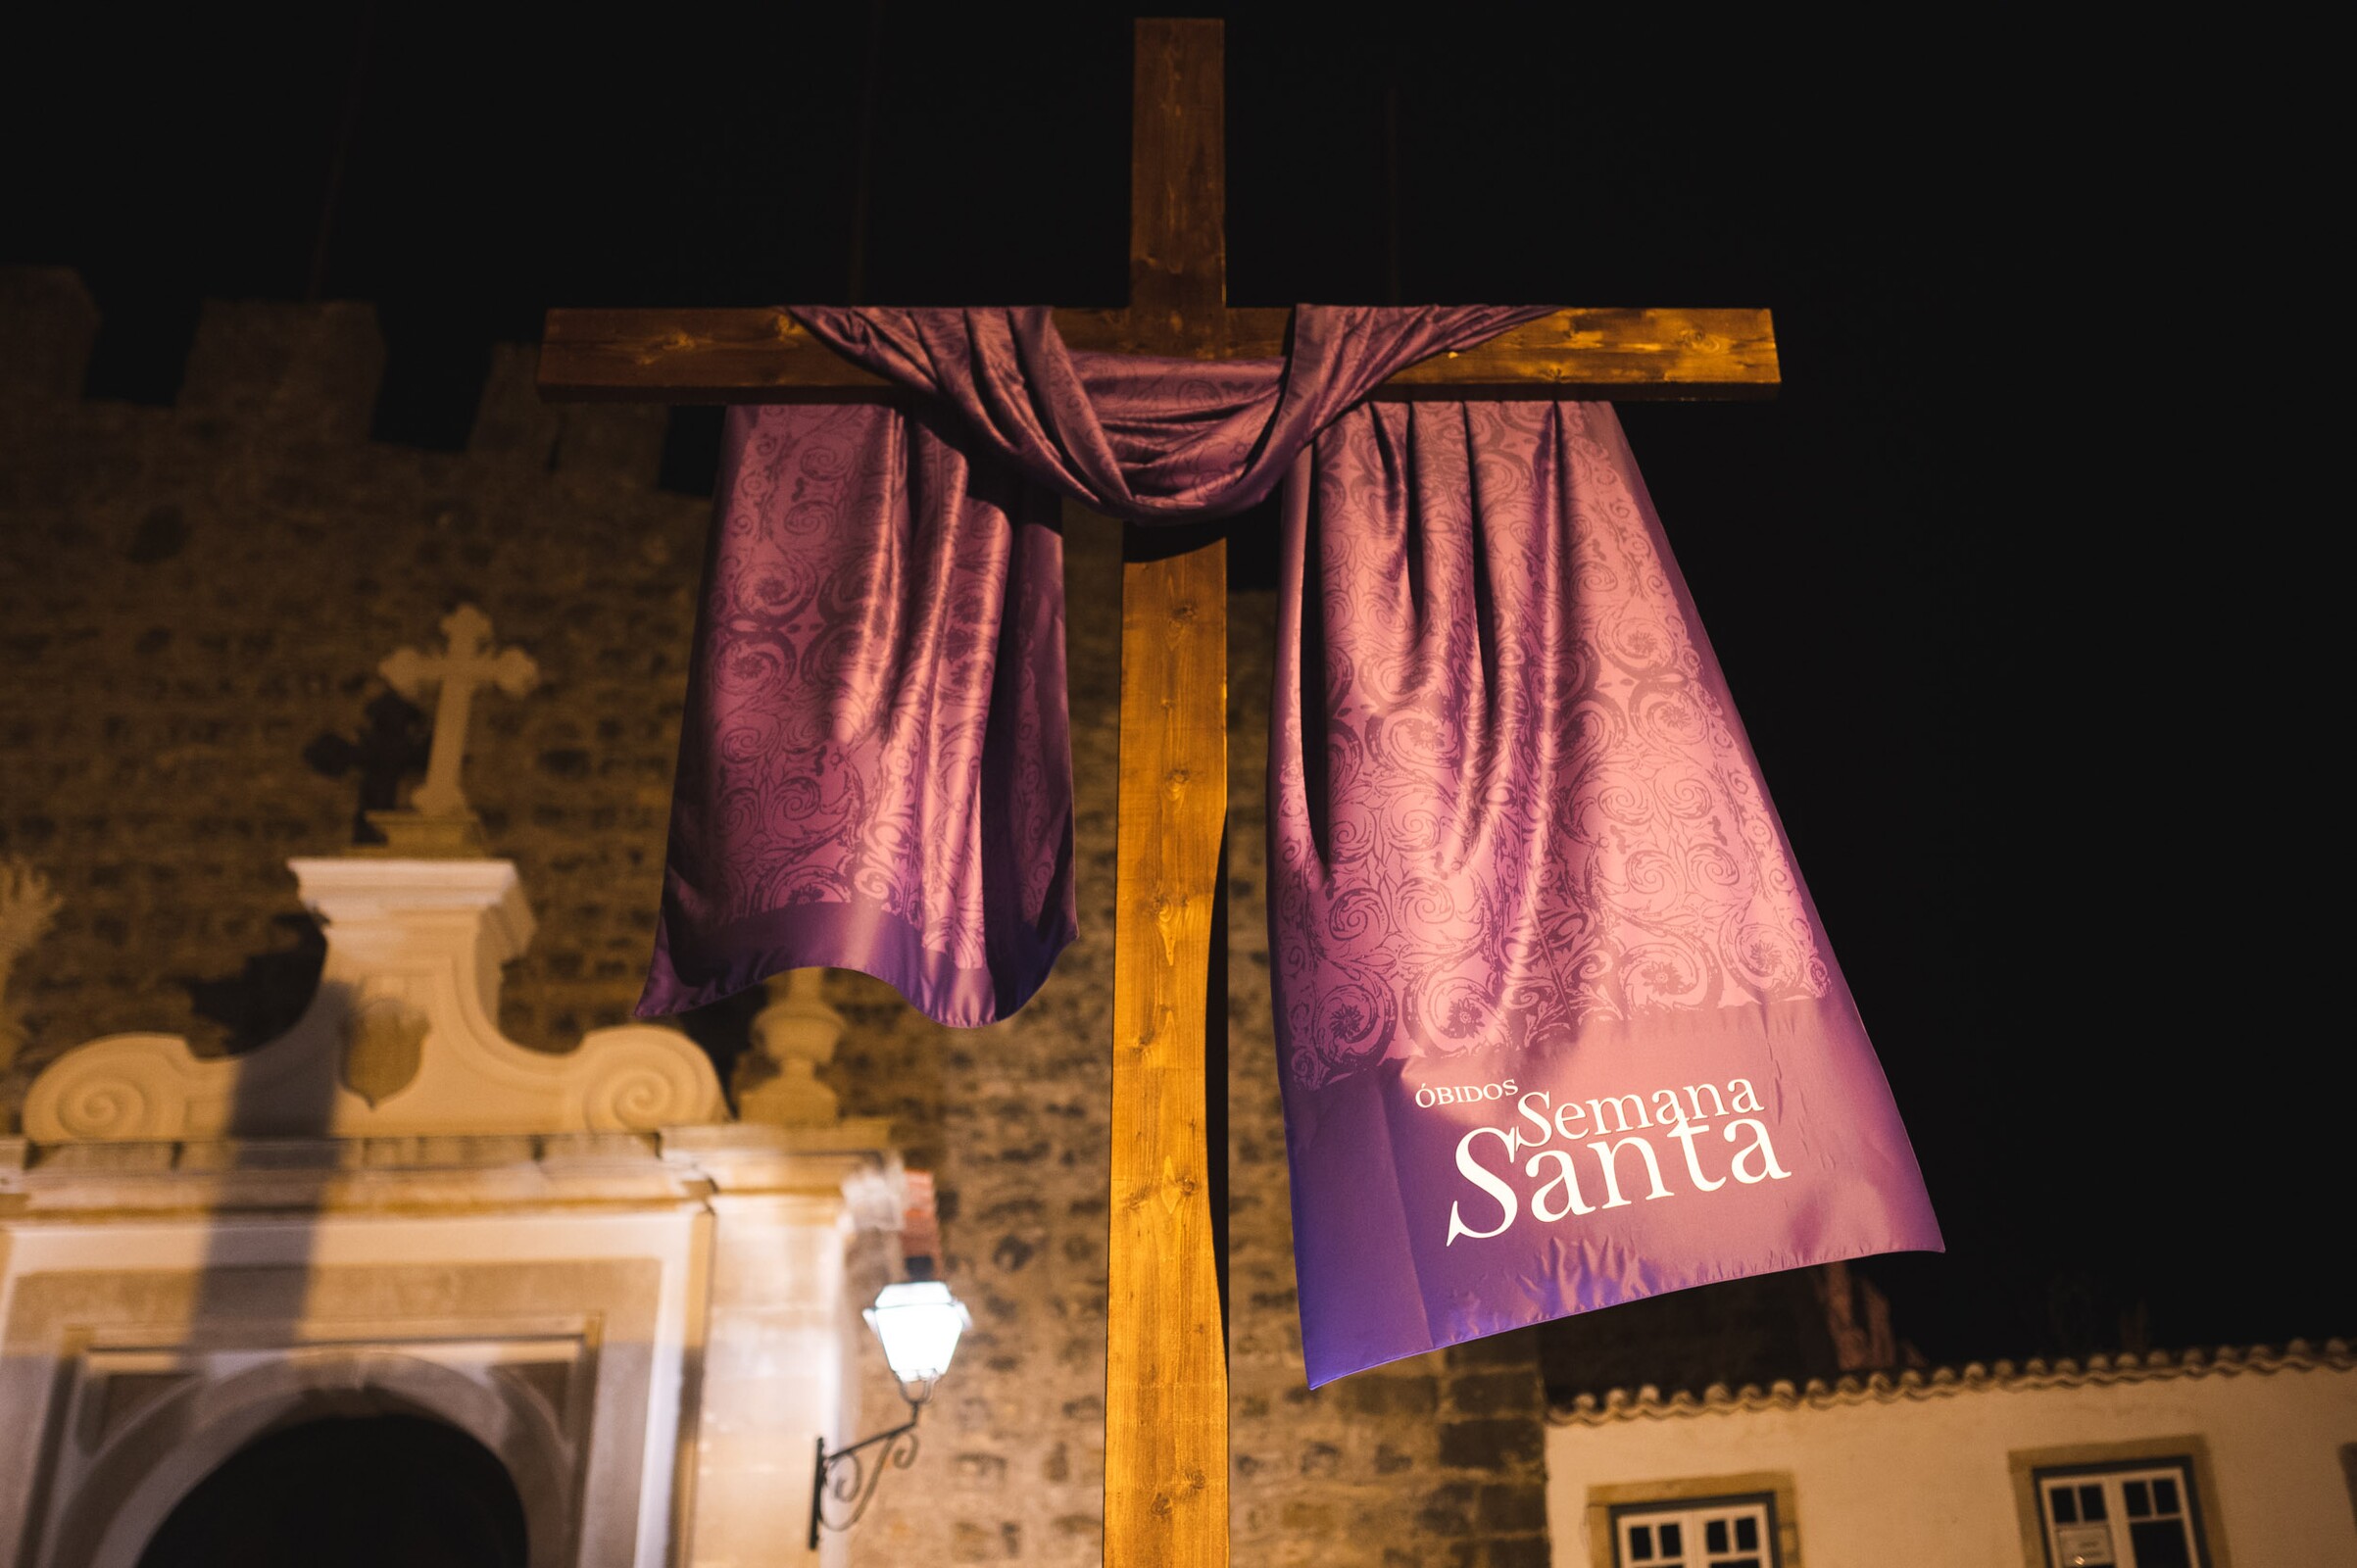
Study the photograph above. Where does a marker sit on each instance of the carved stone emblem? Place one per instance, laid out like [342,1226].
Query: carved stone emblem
[385,1039]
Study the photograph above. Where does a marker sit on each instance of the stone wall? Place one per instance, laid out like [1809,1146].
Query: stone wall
[193,602]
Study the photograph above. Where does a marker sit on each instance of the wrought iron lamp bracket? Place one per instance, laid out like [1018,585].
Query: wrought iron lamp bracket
[851,1474]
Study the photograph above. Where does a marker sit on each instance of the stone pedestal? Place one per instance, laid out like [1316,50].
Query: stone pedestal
[793,1037]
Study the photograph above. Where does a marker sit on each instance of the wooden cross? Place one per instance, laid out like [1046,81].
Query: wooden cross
[466,660]
[1166,1400]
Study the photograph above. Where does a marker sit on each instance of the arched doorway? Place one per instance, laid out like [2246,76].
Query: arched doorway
[348,1492]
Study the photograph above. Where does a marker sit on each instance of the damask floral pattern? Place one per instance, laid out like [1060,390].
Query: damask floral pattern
[1509,792]
[1529,902]
[875,771]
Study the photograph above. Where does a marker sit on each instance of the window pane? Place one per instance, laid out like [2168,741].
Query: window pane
[2065,1505]
[1640,1542]
[1747,1533]
[2139,1498]
[1714,1536]
[1741,1562]
[2090,1503]
[1672,1543]
[2164,1495]
[2161,1544]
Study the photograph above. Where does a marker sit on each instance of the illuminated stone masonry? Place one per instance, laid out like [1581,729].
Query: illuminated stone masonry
[639,1307]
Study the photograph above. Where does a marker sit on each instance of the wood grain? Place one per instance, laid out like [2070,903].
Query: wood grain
[762,355]
[1166,1366]
[1607,354]
[1166,1386]
[1178,248]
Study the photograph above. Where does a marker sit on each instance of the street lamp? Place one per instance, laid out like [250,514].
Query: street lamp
[919,1324]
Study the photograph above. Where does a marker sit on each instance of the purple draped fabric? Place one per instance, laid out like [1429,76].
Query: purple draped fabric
[1556,1021]
[1557,1026]
[875,771]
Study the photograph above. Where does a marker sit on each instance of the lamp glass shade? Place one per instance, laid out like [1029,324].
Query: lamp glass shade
[919,1324]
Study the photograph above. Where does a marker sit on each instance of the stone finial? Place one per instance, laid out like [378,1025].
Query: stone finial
[27,906]
[439,821]
[48,322]
[793,1037]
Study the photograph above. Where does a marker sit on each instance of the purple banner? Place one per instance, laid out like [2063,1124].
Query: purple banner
[1557,1024]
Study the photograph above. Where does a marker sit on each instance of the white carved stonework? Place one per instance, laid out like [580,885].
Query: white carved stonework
[466,660]
[403,1035]
[793,1037]
[439,824]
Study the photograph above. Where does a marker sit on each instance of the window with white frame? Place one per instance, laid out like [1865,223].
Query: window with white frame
[1703,1533]
[2136,1515]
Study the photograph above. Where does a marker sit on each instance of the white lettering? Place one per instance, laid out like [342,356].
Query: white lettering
[1759,1146]
[1541,1208]
[1622,1105]
[1685,1132]
[1534,1119]
[1607,1153]
[1471,1169]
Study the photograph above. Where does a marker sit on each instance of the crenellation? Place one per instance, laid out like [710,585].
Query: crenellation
[48,325]
[293,372]
[511,425]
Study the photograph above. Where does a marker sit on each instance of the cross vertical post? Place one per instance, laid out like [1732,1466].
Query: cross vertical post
[1166,1382]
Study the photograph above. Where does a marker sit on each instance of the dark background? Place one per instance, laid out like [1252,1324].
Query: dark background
[2019,581]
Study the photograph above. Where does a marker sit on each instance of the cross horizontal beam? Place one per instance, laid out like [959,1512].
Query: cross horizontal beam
[763,355]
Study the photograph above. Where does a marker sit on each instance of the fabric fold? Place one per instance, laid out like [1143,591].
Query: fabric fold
[1150,440]
[875,769]
[1541,960]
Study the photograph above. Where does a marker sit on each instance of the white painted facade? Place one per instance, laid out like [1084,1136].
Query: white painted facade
[1934,1472]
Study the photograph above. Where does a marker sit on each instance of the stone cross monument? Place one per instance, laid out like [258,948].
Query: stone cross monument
[439,822]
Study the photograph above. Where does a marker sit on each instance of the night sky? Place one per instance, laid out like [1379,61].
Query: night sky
[2013,582]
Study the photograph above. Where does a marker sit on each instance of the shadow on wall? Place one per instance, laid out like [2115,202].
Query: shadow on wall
[267,994]
[392,746]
